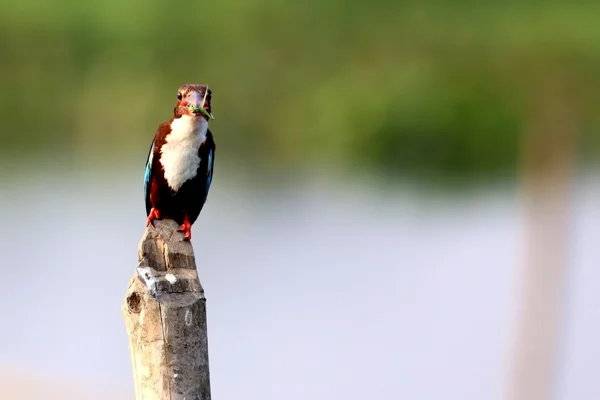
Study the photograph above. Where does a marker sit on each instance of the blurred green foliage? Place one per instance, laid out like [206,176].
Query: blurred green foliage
[429,89]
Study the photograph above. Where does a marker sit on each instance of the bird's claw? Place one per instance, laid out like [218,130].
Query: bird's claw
[154,214]
[186,228]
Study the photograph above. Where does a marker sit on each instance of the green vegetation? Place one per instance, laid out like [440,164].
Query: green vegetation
[429,89]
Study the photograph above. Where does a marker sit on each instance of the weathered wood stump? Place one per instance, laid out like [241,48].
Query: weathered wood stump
[165,317]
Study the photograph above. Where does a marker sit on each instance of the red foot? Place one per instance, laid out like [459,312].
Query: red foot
[154,214]
[186,228]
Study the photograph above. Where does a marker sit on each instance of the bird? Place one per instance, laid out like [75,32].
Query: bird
[180,163]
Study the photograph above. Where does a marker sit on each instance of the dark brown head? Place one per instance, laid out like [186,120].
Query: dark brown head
[193,100]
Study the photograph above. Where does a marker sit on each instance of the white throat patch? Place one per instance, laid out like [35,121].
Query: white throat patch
[179,154]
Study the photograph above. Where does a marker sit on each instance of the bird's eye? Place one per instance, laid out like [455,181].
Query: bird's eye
[179,96]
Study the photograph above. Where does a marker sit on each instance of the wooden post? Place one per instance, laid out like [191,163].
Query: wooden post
[549,164]
[165,317]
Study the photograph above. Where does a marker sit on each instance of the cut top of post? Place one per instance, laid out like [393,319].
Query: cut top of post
[166,263]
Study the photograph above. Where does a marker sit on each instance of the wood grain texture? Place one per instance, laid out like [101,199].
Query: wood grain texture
[165,317]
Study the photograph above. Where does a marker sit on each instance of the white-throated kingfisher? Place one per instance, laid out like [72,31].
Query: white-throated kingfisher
[179,168]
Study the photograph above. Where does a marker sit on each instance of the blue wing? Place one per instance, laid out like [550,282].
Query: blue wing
[148,178]
[209,171]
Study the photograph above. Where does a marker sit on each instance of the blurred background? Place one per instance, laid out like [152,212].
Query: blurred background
[405,203]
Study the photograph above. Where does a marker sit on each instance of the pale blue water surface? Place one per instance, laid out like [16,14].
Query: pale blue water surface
[325,293]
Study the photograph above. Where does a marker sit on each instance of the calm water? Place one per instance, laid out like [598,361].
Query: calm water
[327,293]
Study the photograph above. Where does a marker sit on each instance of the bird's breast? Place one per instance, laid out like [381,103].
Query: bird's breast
[179,159]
